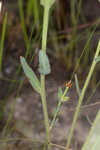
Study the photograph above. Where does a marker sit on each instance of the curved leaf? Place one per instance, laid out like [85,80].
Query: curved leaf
[30,75]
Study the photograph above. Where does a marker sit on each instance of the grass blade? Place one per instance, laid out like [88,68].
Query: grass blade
[2,40]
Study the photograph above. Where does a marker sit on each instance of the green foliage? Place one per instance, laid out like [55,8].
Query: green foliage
[97,59]
[44,65]
[24,29]
[93,139]
[80,100]
[77,85]
[33,9]
[60,93]
[65,98]
[44,69]
[62,97]
[30,75]
[2,40]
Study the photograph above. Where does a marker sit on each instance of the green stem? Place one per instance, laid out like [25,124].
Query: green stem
[45,112]
[82,96]
[45,28]
[2,40]
[58,108]
[36,13]
[43,93]
[21,13]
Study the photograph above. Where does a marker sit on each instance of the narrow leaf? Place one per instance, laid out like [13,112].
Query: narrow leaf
[44,65]
[60,93]
[77,85]
[97,59]
[30,75]
[3,39]
[66,98]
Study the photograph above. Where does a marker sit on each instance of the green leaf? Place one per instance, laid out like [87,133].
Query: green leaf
[77,85]
[30,75]
[47,3]
[60,93]
[93,139]
[66,98]
[97,59]
[3,33]
[44,65]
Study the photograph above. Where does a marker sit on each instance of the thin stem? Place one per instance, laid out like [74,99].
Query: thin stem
[43,93]
[82,96]
[36,13]
[21,12]
[45,28]
[2,40]
[58,108]
[44,104]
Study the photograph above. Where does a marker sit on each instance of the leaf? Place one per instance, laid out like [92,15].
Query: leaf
[93,139]
[47,3]
[77,85]
[44,65]
[97,59]
[60,93]
[66,98]
[30,75]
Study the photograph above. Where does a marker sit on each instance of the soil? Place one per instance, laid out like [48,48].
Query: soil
[28,118]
